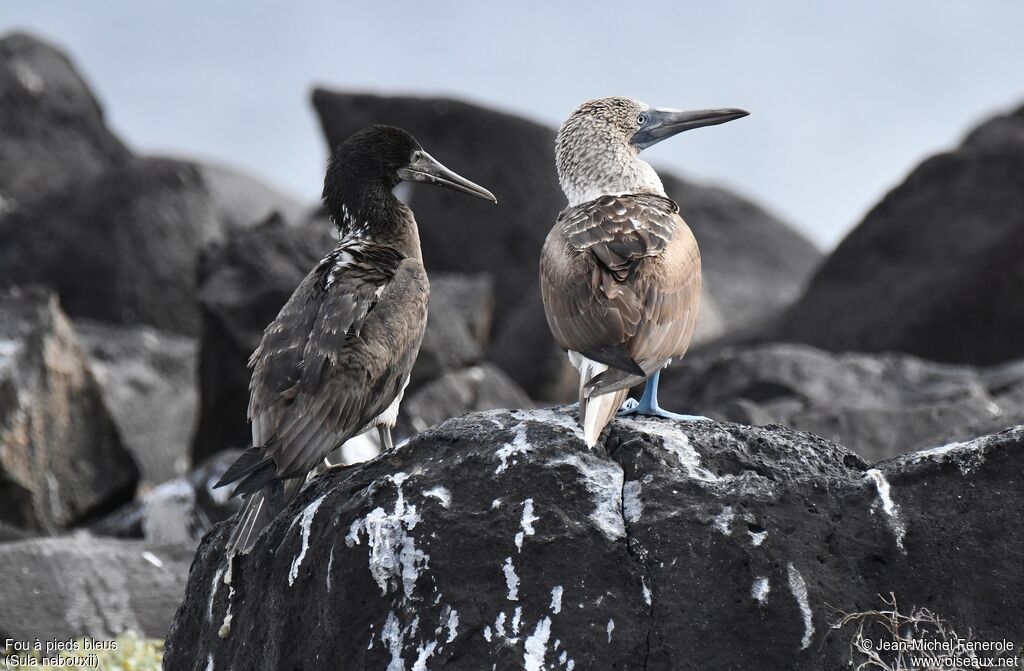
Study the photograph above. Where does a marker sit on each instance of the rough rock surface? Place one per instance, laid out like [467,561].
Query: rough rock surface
[472,296]
[754,262]
[148,380]
[878,405]
[934,269]
[696,546]
[177,512]
[60,455]
[74,586]
[243,201]
[122,248]
[54,133]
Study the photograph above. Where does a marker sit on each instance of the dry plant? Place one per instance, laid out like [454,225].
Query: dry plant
[888,640]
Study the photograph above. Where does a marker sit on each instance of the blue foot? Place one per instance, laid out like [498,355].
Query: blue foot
[648,405]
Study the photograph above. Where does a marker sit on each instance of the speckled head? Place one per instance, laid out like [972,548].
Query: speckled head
[598,146]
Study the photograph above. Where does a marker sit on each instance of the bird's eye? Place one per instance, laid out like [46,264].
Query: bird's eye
[641,120]
[417,155]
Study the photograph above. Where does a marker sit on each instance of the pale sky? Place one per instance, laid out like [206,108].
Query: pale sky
[845,98]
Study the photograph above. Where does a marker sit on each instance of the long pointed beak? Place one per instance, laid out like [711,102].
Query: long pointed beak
[664,123]
[426,168]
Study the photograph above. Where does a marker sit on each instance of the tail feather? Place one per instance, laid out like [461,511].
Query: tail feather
[256,480]
[261,507]
[252,459]
[595,410]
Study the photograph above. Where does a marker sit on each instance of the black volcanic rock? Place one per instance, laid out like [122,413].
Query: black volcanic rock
[61,459]
[498,540]
[122,248]
[934,269]
[878,405]
[54,133]
[77,586]
[754,263]
[178,512]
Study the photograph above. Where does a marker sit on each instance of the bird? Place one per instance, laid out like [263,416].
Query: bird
[620,270]
[336,360]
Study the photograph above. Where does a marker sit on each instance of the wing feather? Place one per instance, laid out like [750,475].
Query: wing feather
[324,368]
[622,270]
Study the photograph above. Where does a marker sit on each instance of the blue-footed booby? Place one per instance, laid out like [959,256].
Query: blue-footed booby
[336,360]
[620,270]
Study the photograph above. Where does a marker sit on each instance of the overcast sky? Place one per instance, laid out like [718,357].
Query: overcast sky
[845,97]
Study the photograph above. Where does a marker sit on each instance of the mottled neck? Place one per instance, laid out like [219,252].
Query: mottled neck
[602,170]
[383,221]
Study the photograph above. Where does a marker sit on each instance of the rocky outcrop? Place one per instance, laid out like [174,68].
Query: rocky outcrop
[877,405]
[54,133]
[61,589]
[122,248]
[934,269]
[178,512]
[498,540]
[754,263]
[148,380]
[61,459]
[243,201]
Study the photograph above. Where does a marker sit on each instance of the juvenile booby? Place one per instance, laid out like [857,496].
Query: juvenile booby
[620,270]
[336,360]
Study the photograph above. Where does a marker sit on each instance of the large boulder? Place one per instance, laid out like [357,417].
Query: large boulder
[120,248]
[61,459]
[54,133]
[148,380]
[753,263]
[877,405]
[177,512]
[498,540]
[77,586]
[242,200]
[934,269]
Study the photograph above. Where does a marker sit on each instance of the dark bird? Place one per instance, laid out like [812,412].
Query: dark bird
[620,270]
[336,360]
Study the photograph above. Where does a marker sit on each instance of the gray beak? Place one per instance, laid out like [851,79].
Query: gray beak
[425,168]
[664,123]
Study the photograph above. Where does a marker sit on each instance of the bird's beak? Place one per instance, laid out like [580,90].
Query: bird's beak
[664,123]
[426,168]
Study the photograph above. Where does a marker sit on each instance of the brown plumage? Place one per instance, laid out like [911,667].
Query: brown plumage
[620,271]
[336,360]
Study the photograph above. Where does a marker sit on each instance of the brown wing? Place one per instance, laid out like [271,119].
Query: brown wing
[622,270]
[337,355]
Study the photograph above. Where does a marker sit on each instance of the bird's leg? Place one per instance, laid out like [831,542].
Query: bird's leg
[648,404]
[384,433]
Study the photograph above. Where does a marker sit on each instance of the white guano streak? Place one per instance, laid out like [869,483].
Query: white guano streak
[305,521]
[889,506]
[798,587]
